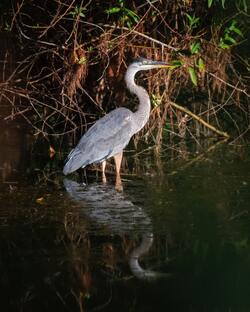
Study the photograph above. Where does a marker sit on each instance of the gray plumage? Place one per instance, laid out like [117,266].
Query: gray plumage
[111,134]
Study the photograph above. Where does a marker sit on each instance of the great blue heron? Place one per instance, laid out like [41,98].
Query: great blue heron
[110,134]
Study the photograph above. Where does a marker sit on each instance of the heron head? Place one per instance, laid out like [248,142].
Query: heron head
[145,64]
[142,64]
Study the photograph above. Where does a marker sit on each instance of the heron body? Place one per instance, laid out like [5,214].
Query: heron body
[110,135]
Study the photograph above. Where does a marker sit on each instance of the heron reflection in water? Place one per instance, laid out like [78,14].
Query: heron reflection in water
[115,212]
[111,134]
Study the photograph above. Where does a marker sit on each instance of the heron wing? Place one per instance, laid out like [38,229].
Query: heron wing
[107,137]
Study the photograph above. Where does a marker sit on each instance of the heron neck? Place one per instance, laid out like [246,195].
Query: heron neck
[142,113]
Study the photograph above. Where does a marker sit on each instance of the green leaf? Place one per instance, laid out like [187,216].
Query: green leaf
[224,45]
[189,17]
[230,39]
[113,10]
[132,14]
[209,3]
[192,20]
[233,23]
[244,3]
[196,20]
[121,2]
[237,31]
[192,75]
[195,47]
[176,63]
[201,65]
[129,24]
[223,3]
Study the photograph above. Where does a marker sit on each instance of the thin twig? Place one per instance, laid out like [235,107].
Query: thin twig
[229,84]
[186,110]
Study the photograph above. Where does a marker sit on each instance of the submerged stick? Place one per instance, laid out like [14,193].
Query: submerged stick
[198,158]
[206,124]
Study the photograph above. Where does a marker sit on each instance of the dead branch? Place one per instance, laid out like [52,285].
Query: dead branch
[229,84]
[187,111]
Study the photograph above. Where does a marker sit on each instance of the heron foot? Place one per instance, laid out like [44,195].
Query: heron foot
[104,179]
[118,184]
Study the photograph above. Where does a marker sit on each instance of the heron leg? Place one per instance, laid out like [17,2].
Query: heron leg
[118,161]
[104,180]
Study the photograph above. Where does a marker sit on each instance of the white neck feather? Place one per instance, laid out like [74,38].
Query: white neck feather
[141,116]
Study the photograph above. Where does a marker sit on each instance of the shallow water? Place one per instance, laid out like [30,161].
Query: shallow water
[176,238]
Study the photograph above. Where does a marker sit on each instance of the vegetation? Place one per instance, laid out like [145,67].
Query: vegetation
[71,58]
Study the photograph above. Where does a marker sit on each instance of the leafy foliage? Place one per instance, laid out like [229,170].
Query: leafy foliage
[193,75]
[193,21]
[126,16]
[230,35]
[74,54]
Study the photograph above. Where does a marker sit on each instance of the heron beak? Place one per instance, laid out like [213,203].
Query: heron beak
[159,64]
[166,66]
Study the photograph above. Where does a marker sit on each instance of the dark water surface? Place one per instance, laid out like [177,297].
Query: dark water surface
[176,239]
